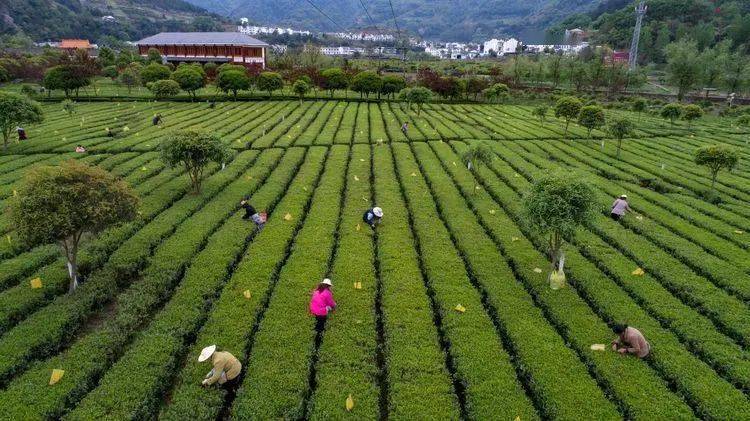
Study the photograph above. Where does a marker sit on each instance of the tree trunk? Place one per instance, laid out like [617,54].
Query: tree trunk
[713,180]
[70,245]
[619,146]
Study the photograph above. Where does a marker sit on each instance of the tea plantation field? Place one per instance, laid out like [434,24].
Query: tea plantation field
[189,272]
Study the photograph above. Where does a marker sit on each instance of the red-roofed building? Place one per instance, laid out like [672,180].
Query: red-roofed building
[71,45]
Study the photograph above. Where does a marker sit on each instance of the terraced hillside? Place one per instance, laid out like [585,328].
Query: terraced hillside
[162,287]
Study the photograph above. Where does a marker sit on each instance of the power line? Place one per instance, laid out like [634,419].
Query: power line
[395,22]
[324,14]
[366,12]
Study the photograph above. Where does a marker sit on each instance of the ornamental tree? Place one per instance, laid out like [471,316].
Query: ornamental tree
[620,128]
[366,83]
[418,95]
[591,117]
[193,150]
[671,112]
[233,81]
[639,106]
[189,79]
[556,206]
[333,79]
[269,82]
[154,56]
[301,88]
[568,108]
[476,155]
[497,92]
[154,72]
[540,112]
[691,113]
[716,158]
[62,203]
[67,77]
[164,88]
[391,85]
[16,110]
[130,77]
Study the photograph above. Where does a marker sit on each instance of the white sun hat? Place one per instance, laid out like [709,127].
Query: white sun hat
[327,281]
[378,212]
[623,196]
[206,353]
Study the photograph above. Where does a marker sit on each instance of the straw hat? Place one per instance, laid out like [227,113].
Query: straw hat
[206,353]
[624,196]
[378,212]
[327,281]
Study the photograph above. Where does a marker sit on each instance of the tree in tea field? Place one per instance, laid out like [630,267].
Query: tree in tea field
[193,151]
[683,66]
[69,107]
[164,88]
[716,158]
[639,106]
[62,203]
[233,81]
[476,155]
[189,79]
[568,108]
[67,78]
[418,95]
[620,128]
[591,117]
[671,112]
[540,112]
[333,79]
[130,77]
[16,110]
[556,206]
[154,72]
[111,72]
[392,85]
[366,83]
[301,88]
[497,92]
[691,113]
[269,82]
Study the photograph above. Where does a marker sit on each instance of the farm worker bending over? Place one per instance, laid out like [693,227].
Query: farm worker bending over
[373,216]
[21,133]
[251,213]
[619,207]
[630,341]
[226,367]
[405,128]
[321,303]
[157,119]
[80,149]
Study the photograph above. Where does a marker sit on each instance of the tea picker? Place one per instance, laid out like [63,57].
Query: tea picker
[620,207]
[226,368]
[252,214]
[322,303]
[373,216]
[630,341]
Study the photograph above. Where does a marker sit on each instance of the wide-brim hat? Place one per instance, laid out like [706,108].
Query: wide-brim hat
[327,281]
[378,212]
[206,353]
[623,196]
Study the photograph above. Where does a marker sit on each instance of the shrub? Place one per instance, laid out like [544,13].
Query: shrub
[591,117]
[333,79]
[269,82]
[671,112]
[716,158]
[189,79]
[691,113]
[154,72]
[620,128]
[540,112]
[233,81]
[568,108]
[164,88]
[193,151]
[366,83]
[301,88]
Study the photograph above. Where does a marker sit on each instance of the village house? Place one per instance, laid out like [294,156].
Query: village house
[202,47]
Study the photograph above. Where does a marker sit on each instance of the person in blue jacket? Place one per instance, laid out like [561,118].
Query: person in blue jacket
[373,216]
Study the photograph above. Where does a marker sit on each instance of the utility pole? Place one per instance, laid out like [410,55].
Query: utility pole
[640,10]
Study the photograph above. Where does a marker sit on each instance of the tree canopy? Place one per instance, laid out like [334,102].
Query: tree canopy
[193,150]
[671,112]
[591,117]
[620,128]
[269,82]
[333,79]
[568,108]
[17,110]
[233,81]
[189,79]
[366,83]
[154,72]
[716,158]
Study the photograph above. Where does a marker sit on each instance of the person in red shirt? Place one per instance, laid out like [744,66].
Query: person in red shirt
[321,303]
[630,341]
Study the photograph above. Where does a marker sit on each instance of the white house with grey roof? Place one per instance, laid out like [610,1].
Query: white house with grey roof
[219,47]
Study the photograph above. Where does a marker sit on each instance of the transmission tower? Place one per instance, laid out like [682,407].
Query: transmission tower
[640,10]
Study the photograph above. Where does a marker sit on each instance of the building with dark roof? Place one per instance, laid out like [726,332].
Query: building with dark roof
[220,47]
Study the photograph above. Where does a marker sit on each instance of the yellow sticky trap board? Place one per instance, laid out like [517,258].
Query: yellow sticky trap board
[359,227]
[518,418]
[492,211]
[514,239]
[15,192]
[36,283]
[288,217]
[56,376]
[739,232]
[247,294]
[361,160]
[413,174]
[7,237]
[537,270]
[356,178]
[638,272]
[349,403]
[459,308]
[358,285]
[143,168]
[598,347]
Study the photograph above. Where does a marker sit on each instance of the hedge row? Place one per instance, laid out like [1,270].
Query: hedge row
[708,394]
[482,366]
[291,137]
[392,125]
[279,131]
[122,395]
[331,127]
[418,381]
[233,316]
[316,126]
[376,126]
[725,312]
[44,331]
[345,131]
[276,379]
[347,358]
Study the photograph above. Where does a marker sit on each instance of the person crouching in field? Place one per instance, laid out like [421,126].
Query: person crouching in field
[251,213]
[619,207]
[226,368]
[21,133]
[156,120]
[321,303]
[373,216]
[405,128]
[630,341]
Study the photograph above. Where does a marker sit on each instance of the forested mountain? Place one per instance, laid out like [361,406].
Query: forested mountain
[707,22]
[133,19]
[456,20]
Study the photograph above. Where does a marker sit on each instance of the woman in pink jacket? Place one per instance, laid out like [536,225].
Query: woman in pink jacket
[321,303]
